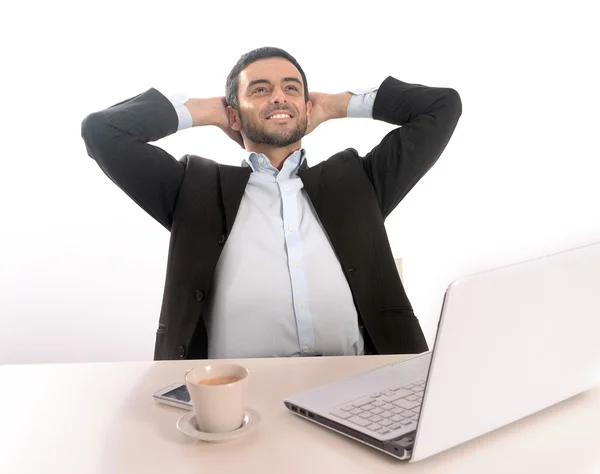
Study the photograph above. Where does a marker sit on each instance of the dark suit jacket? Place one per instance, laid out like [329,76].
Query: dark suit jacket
[197,199]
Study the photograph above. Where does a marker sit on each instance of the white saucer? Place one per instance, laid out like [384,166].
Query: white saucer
[187,425]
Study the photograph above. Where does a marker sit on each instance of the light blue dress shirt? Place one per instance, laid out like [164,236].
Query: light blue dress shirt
[279,290]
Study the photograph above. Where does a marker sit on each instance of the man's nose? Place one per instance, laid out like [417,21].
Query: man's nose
[279,97]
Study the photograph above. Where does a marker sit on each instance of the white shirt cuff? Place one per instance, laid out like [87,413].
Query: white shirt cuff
[361,102]
[183,114]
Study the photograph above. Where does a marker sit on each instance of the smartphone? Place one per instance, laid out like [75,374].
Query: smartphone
[175,395]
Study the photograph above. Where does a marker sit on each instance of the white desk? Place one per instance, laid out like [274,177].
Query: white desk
[101,418]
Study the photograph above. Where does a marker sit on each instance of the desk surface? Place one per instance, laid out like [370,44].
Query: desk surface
[101,418]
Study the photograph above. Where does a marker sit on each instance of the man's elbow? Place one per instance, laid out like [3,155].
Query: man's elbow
[454,102]
[89,127]
[93,132]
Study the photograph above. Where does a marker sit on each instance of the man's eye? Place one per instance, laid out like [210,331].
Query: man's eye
[259,89]
[293,87]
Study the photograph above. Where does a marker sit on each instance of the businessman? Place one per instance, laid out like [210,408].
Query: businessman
[277,258]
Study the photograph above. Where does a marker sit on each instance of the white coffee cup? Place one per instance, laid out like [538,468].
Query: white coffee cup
[218,394]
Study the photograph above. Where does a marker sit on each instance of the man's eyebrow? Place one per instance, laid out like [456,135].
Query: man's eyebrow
[265,81]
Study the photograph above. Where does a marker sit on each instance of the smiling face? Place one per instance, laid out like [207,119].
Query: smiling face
[272,108]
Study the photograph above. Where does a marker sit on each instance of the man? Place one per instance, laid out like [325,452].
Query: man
[276,258]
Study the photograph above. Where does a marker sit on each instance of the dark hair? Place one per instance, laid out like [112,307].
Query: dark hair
[231,87]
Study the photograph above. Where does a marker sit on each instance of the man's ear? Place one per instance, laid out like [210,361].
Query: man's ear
[308,111]
[234,118]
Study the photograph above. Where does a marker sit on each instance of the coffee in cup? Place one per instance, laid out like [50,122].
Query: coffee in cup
[218,395]
[219,380]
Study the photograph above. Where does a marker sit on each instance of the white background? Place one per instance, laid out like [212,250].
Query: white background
[82,267]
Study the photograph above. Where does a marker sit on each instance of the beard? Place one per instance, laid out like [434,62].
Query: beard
[280,138]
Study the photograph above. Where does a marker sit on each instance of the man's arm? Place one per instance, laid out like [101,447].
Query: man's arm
[118,137]
[428,117]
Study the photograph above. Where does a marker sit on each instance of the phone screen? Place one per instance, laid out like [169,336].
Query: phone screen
[179,393]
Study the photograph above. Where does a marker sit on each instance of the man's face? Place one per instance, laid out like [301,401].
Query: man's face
[272,107]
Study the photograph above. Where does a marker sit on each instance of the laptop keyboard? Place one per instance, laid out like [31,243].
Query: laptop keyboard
[395,409]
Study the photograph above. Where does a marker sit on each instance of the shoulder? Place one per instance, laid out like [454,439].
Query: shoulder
[195,161]
[346,157]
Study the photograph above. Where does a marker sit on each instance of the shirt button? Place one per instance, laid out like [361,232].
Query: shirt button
[221,239]
[291,228]
[261,160]
[181,352]
[286,188]
[199,295]
[373,95]
[297,263]
[305,349]
[302,304]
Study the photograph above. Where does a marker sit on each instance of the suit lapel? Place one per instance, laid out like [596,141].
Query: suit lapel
[311,179]
[233,183]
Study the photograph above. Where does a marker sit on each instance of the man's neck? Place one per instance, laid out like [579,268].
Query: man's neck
[276,155]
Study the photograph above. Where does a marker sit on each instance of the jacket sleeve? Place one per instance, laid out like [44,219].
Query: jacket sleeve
[118,137]
[427,117]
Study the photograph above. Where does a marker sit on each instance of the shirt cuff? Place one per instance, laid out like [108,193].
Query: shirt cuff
[183,114]
[361,102]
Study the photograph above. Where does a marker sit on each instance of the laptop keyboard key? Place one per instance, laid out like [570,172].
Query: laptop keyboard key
[404,392]
[356,411]
[365,414]
[383,430]
[406,404]
[396,395]
[377,403]
[375,418]
[341,414]
[385,422]
[361,402]
[374,426]
[376,411]
[369,406]
[387,406]
[406,422]
[396,418]
[357,420]
[398,410]
[395,426]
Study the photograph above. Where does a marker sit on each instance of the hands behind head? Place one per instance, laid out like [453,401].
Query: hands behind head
[223,124]
[320,110]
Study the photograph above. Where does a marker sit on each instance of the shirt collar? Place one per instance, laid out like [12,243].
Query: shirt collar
[259,163]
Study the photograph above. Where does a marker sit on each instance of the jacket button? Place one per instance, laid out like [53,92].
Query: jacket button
[222,239]
[199,295]
[350,270]
[181,352]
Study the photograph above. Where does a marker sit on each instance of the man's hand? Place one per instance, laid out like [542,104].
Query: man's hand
[212,111]
[326,107]
[223,124]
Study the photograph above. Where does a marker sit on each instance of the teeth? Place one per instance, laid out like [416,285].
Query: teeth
[280,116]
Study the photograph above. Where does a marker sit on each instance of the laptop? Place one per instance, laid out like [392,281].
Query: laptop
[510,342]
